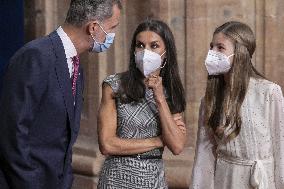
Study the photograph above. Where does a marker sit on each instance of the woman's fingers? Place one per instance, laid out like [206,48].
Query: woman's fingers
[182,128]
[177,117]
[179,122]
[153,81]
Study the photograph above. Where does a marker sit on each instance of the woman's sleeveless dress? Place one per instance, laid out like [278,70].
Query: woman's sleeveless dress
[134,120]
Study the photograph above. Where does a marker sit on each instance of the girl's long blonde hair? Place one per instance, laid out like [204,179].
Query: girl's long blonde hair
[223,109]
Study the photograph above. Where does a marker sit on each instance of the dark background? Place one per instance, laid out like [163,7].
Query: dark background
[11,31]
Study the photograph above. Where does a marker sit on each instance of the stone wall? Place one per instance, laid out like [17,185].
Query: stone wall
[192,22]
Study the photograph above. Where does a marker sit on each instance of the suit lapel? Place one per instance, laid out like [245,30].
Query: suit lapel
[63,75]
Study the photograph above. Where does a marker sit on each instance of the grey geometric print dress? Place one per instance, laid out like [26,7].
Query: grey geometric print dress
[135,120]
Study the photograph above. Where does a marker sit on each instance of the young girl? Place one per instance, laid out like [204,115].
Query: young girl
[240,141]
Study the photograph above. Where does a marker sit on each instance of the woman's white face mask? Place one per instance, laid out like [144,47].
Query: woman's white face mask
[217,63]
[148,61]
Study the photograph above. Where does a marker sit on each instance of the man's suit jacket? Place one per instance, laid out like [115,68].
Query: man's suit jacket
[39,122]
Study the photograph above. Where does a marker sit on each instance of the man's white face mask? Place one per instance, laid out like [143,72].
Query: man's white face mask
[148,61]
[217,63]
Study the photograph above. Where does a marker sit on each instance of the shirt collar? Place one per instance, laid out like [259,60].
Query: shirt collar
[70,50]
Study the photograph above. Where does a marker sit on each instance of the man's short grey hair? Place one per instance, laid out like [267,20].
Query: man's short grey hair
[83,11]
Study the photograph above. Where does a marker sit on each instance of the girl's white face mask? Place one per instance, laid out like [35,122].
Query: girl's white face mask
[148,61]
[217,63]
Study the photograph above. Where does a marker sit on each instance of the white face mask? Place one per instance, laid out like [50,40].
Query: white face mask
[217,63]
[148,61]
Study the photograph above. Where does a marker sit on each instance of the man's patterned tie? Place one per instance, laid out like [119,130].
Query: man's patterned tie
[76,62]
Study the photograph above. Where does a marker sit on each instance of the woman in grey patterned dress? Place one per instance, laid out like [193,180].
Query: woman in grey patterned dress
[141,112]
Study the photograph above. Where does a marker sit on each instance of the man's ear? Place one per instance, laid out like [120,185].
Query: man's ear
[92,27]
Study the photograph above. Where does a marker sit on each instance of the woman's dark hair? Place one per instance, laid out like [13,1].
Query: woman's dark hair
[132,87]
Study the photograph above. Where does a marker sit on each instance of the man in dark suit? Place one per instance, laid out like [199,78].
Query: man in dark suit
[41,100]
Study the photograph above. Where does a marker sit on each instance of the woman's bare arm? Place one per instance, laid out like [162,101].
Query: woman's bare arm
[109,142]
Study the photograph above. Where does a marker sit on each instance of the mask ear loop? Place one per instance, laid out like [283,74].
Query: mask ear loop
[98,43]
[165,62]
[102,29]
[231,55]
